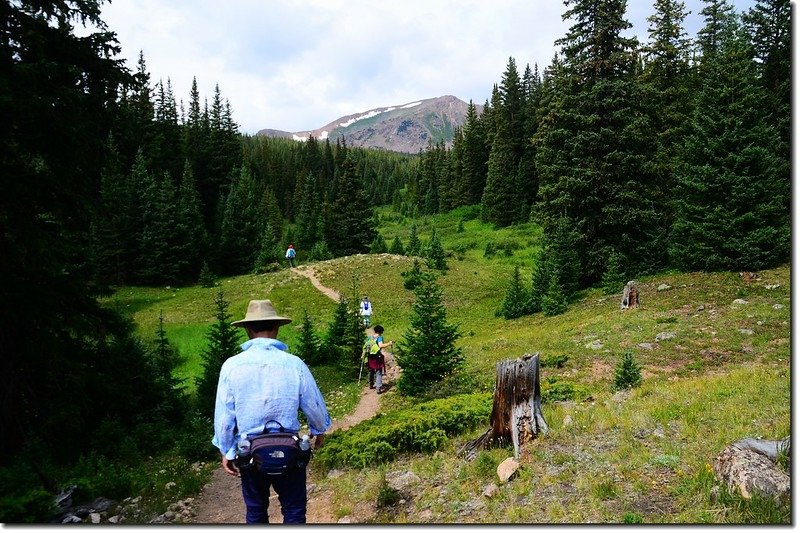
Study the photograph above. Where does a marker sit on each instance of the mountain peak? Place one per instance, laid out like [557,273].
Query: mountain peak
[405,127]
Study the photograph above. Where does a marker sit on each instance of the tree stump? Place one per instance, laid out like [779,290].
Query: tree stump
[517,409]
[630,296]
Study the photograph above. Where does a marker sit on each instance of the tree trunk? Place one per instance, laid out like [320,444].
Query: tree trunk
[517,409]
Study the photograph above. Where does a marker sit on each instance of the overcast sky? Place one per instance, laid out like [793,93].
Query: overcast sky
[297,65]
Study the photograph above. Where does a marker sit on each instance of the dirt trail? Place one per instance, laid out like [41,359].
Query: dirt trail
[220,501]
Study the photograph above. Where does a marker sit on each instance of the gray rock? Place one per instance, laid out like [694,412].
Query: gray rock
[170,485]
[740,301]
[659,432]
[567,421]
[115,519]
[646,346]
[777,306]
[594,345]
[333,474]
[745,331]
[701,308]
[772,287]
[664,287]
[94,518]
[71,519]
[400,481]
[665,336]
[490,490]
[169,515]
[344,520]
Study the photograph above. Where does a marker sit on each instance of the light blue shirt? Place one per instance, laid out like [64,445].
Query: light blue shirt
[265,383]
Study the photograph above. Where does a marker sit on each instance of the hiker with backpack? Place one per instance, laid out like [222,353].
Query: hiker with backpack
[376,362]
[290,254]
[366,311]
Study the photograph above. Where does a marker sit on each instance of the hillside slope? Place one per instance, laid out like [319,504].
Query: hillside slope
[715,355]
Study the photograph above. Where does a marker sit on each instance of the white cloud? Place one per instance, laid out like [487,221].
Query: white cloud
[296,65]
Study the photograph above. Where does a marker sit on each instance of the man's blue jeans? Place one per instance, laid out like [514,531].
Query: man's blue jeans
[291,490]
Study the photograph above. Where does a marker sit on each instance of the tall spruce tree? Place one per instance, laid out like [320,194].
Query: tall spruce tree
[241,226]
[428,351]
[222,342]
[349,228]
[474,159]
[56,99]
[503,201]
[667,84]
[515,303]
[731,185]
[594,147]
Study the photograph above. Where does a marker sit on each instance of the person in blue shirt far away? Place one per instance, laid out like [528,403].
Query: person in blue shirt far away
[259,390]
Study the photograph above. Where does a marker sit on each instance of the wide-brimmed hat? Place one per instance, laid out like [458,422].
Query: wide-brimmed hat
[261,311]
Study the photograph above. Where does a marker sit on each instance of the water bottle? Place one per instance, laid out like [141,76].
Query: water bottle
[305,443]
[244,445]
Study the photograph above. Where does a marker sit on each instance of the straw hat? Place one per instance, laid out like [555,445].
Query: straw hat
[261,311]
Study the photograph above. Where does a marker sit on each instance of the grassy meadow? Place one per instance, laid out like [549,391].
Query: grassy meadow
[714,351]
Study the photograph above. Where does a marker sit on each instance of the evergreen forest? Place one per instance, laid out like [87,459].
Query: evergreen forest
[632,157]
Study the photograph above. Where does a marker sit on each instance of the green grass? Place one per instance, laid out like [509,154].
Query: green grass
[642,457]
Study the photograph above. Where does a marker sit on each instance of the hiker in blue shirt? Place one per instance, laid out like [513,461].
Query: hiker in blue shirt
[290,255]
[260,391]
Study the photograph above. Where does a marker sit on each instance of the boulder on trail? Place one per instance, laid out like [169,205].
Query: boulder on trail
[749,466]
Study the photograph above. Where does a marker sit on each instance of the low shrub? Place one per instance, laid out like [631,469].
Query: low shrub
[553,361]
[421,429]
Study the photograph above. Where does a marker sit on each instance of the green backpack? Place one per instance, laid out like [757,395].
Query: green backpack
[370,348]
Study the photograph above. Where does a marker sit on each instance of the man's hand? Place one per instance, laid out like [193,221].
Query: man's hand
[318,441]
[229,467]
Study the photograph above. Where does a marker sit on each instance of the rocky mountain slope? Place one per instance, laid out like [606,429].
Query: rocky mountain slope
[401,128]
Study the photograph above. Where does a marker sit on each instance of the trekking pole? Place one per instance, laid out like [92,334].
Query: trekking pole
[360,370]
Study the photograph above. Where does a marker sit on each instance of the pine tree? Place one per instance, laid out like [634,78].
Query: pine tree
[159,259]
[732,188]
[413,277]
[222,342]
[397,247]
[594,148]
[348,228]
[378,245]
[613,277]
[241,222]
[435,257]
[413,242]
[189,231]
[309,345]
[172,399]
[628,373]
[333,344]
[503,200]
[475,157]
[554,301]
[427,352]
[668,84]
[515,303]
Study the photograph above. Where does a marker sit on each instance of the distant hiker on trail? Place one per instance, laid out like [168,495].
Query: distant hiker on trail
[366,311]
[255,419]
[376,362]
[290,254]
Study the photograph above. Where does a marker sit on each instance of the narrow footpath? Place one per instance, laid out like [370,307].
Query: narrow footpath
[220,501]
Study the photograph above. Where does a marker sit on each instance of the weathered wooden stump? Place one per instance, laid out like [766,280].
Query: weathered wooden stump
[630,296]
[517,409]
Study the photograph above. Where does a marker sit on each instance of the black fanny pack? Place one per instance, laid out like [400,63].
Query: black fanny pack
[274,453]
